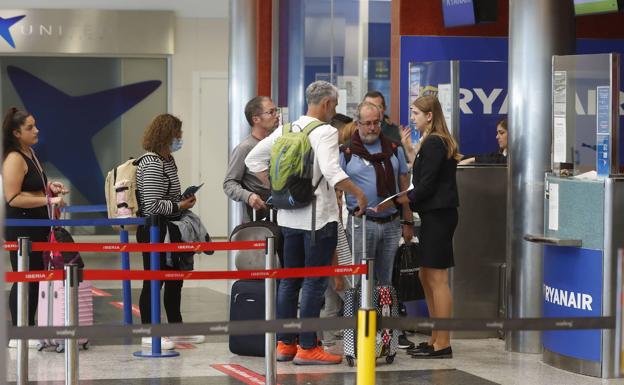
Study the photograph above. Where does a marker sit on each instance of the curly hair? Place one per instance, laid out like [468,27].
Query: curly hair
[160,133]
[14,119]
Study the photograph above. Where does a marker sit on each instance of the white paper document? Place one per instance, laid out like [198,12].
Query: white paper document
[553,206]
[411,187]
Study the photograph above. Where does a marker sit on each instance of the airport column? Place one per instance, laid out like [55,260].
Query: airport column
[242,85]
[537,30]
[296,43]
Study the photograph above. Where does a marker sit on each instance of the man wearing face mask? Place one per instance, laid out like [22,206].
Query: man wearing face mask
[159,193]
[240,184]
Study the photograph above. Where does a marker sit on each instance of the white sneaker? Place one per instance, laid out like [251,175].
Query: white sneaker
[165,343]
[32,344]
[189,339]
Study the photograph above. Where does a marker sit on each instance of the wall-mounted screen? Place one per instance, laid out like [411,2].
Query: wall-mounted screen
[468,12]
[589,7]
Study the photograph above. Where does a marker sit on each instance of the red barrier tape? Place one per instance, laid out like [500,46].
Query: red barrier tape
[166,275]
[141,247]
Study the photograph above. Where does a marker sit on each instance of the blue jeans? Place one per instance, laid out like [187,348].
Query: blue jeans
[382,242]
[299,252]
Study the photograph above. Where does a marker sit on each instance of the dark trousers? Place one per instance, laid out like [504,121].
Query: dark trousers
[35,262]
[300,252]
[172,296]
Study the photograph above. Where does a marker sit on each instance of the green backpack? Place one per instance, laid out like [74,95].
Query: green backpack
[292,164]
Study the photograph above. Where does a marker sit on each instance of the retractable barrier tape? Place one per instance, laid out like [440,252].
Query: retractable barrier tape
[499,324]
[304,325]
[176,275]
[85,209]
[141,247]
[73,222]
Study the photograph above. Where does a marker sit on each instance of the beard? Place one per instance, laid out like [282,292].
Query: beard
[369,138]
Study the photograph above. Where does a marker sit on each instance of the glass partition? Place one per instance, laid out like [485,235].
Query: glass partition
[585,107]
[90,112]
[473,95]
[346,42]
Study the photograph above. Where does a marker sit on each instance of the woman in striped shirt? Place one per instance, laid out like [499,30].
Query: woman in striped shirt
[158,188]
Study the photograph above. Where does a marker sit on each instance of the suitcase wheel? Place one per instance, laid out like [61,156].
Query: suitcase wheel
[351,361]
[390,359]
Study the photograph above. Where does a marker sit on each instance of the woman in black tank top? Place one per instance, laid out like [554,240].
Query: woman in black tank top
[27,196]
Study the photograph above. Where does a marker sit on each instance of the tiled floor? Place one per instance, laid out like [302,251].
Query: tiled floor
[112,362]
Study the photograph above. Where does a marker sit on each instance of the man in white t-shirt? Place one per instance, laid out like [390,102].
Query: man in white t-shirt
[296,224]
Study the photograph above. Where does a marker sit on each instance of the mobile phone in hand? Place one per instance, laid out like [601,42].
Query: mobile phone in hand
[191,190]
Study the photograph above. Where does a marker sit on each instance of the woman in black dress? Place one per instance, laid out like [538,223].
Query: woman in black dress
[28,195]
[434,197]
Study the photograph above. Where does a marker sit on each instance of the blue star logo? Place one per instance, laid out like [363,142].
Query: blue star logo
[5,24]
[68,123]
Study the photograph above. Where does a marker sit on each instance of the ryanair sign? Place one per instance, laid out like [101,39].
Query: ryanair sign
[567,298]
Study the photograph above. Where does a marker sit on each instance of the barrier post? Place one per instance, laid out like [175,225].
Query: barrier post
[270,359]
[71,319]
[367,320]
[23,254]
[154,232]
[126,288]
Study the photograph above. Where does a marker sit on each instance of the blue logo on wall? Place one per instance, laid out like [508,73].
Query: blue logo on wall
[68,124]
[5,24]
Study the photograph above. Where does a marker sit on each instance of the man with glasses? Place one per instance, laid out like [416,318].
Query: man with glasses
[240,184]
[377,166]
[390,130]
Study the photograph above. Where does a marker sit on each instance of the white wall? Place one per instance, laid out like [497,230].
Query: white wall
[201,45]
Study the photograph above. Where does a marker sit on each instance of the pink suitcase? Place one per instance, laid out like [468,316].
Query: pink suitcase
[51,310]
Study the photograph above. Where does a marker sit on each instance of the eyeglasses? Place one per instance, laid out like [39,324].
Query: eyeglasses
[272,112]
[374,123]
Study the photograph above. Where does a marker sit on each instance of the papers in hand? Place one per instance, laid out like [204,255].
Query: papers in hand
[411,187]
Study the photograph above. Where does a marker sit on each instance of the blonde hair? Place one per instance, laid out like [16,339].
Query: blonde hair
[347,132]
[430,103]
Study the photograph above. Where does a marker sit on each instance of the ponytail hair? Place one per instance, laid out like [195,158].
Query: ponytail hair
[13,120]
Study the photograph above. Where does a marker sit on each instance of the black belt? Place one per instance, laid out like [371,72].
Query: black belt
[387,219]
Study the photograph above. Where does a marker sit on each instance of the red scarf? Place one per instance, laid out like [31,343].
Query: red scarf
[384,174]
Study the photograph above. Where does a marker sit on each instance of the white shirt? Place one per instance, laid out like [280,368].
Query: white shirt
[324,142]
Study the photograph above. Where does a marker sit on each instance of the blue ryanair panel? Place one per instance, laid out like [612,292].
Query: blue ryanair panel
[482,104]
[573,288]
[481,121]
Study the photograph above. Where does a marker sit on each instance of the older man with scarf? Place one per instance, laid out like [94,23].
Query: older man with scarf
[377,166]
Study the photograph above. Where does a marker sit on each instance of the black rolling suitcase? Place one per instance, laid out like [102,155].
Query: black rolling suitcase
[247,303]
[387,305]
[247,295]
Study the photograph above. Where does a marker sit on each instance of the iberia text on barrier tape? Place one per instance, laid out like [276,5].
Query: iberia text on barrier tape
[142,247]
[176,275]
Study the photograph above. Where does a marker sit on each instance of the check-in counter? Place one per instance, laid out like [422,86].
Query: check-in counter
[583,228]
[477,280]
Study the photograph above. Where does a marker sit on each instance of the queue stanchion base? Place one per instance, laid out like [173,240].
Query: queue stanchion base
[150,354]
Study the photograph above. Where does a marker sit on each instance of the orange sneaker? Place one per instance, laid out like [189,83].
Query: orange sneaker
[315,356]
[286,352]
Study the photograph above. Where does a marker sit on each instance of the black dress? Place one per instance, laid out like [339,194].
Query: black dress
[34,180]
[435,199]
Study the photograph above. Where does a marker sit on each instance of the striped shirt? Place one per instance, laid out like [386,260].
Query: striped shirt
[158,186]
[343,249]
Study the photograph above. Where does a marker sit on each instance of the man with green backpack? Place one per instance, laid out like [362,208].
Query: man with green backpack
[301,159]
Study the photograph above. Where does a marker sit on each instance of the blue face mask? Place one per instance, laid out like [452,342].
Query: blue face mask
[176,144]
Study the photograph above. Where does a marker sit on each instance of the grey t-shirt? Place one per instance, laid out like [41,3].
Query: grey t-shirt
[239,182]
